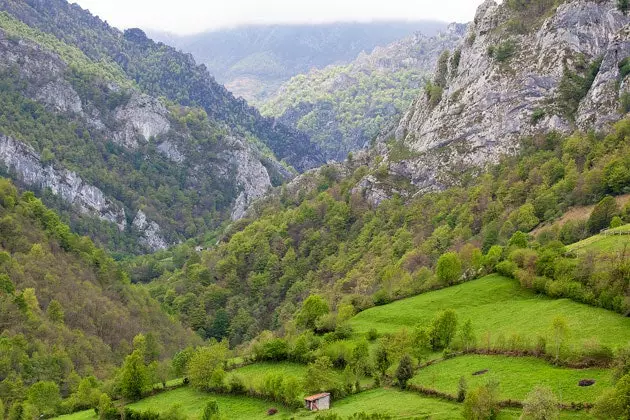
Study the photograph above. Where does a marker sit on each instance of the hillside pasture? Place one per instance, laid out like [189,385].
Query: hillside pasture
[499,308]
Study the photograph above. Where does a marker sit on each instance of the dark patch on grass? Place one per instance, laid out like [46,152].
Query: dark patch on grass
[586,382]
[480,372]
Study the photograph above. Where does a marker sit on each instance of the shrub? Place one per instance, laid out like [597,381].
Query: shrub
[405,371]
[211,411]
[443,328]
[504,51]
[434,93]
[481,403]
[616,222]
[538,115]
[540,404]
[462,387]
[507,268]
[623,5]
[372,334]
[624,101]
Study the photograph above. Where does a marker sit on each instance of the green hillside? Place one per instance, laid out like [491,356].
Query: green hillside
[500,307]
[516,377]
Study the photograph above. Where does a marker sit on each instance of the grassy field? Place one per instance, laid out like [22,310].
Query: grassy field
[516,377]
[254,375]
[79,415]
[604,243]
[193,403]
[499,306]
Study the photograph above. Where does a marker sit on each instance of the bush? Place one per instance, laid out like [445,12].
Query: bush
[623,5]
[211,411]
[540,404]
[507,268]
[503,52]
[616,222]
[372,334]
[481,403]
[405,371]
[538,115]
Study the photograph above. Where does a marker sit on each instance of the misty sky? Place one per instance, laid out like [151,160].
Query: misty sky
[190,16]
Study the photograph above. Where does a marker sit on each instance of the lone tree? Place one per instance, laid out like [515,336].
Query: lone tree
[211,411]
[540,404]
[443,329]
[481,403]
[602,215]
[560,331]
[404,372]
[134,379]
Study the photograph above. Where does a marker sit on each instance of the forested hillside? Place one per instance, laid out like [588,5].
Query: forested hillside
[160,70]
[68,311]
[344,107]
[324,236]
[253,61]
[135,172]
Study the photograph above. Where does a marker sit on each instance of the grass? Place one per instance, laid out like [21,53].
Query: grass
[499,306]
[516,377]
[254,375]
[193,403]
[79,415]
[604,243]
[395,403]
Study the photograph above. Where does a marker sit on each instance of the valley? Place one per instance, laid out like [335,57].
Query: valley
[423,224]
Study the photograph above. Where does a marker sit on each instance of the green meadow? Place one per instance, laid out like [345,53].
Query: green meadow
[603,243]
[515,377]
[499,307]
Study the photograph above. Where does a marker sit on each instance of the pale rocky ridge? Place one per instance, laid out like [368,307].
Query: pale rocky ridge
[486,107]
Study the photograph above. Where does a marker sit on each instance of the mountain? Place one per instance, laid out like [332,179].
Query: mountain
[253,61]
[525,68]
[68,310]
[136,144]
[344,107]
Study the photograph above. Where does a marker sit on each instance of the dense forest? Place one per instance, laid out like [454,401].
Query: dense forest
[69,312]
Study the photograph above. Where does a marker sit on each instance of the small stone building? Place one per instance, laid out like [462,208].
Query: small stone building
[318,402]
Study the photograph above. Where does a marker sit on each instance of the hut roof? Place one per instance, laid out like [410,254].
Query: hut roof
[317,396]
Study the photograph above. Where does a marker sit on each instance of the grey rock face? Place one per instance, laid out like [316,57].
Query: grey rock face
[142,118]
[171,151]
[150,232]
[22,160]
[487,106]
[251,176]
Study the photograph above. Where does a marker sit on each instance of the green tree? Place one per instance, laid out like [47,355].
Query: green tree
[204,362]
[181,359]
[319,376]
[382,360]
[449,268]
[481,403]
[134,376]
[55,312]
[220,325]
[602,215]
[404,371]
[443,329]
[614,403]
[45,397]
[313,308]
[211,411]
[462,388]
[540,404]
[467,336]
[560,331]
[616,222]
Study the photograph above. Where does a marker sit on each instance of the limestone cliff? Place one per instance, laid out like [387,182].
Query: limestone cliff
[522,69]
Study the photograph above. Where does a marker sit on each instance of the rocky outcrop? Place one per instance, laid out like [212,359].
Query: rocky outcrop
[250,174]
[505,85]
[149,231]
[21,160]
[140,119]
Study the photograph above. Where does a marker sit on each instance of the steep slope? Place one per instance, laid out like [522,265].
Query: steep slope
[160,70]
[343,108]
[525,68]
[68,310]
[323,233]
[253,61]
[135,172]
